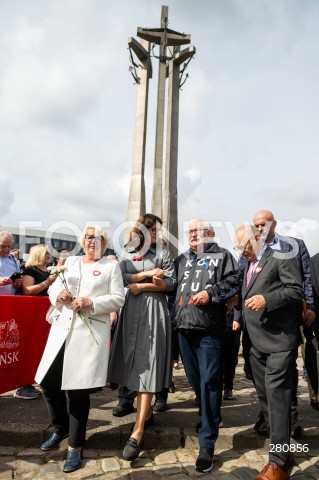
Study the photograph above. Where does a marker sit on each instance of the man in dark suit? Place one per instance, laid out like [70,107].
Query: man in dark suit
[272,293]
[314,269]
[295,248]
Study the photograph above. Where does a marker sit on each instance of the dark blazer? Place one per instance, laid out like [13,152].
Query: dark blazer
[274,329]
[314,268]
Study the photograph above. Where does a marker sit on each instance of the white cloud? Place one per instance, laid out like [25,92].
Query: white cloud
[248,112]
[6,195]
[307,229]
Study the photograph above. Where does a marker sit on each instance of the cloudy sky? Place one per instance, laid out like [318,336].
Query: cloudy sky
[249,111]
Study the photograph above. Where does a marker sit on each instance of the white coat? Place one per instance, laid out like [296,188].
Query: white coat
[85,363]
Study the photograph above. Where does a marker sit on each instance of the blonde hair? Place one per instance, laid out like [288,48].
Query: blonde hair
[97,232]
[37,255]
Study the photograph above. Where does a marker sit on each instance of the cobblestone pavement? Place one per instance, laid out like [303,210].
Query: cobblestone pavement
[153,464]
[171,446]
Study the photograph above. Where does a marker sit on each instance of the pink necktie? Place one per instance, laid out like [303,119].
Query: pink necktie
[250,271]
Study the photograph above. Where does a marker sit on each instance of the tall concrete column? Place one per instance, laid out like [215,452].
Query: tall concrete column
[170,210]
[136,201]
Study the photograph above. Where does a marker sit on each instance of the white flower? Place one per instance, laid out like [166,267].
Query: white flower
[57,269]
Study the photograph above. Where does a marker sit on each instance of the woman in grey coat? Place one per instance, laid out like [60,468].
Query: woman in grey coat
[141,350]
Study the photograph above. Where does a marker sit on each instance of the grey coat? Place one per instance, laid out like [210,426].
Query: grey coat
[141,350]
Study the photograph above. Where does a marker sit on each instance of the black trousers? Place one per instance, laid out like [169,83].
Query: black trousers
[273,376]
[231,347]
[64,420]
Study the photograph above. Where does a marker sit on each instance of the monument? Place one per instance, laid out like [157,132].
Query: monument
[164,202]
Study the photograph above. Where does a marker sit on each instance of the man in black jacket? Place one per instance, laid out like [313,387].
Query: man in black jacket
[207,277]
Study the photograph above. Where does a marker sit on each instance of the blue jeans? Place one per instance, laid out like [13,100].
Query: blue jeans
[202,356]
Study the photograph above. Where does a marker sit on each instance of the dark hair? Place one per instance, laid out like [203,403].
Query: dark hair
[148,220]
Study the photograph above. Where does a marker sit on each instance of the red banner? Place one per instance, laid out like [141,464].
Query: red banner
[23,335]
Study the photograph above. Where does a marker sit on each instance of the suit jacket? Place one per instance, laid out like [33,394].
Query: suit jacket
[274,329]
[314,268]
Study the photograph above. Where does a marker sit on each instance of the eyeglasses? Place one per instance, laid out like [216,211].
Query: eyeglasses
[240,248]
[90,238]
[195,231]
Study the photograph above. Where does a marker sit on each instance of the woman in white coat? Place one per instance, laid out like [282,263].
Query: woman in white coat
[76,355]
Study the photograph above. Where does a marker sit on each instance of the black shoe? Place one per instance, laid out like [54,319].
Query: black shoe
[296,429]
[248,376]
[73,461]
[261,426]
[132,449]
[122,410]
[160,405]
[53,441]
[171,388]
[204,462]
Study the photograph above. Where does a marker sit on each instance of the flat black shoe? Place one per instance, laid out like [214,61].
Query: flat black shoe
[132,449]
[204,462]
[122,410]
[73,461]
[53,442]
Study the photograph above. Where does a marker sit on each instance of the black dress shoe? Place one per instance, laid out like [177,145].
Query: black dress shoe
[122,410]
[53,441]
[132,449]
[73,461]
[160,405]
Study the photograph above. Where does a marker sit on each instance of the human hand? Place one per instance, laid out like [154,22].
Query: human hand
[113,317]
[256,303]
[51,278]
[80,303]
[17,283]
[232,302]
[308,317]
[134,288]
[201,298]
[64,296]
[156,272]
[5,281]
[235,326]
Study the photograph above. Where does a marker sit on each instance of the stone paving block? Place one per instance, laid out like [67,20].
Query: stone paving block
[30,464]
[143,461]
[6,474]
[50,468]
[7,451]
[143,475]
[48,476]
[181,476]
[186,456]
[165,458]
[167,469]
[110,465]
[90,453]
[31,452]
[7,462]
[245,473]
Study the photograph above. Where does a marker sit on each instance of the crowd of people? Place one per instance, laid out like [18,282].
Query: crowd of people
[195,306]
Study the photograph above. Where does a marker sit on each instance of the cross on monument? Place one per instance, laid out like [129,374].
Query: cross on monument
[164,204]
